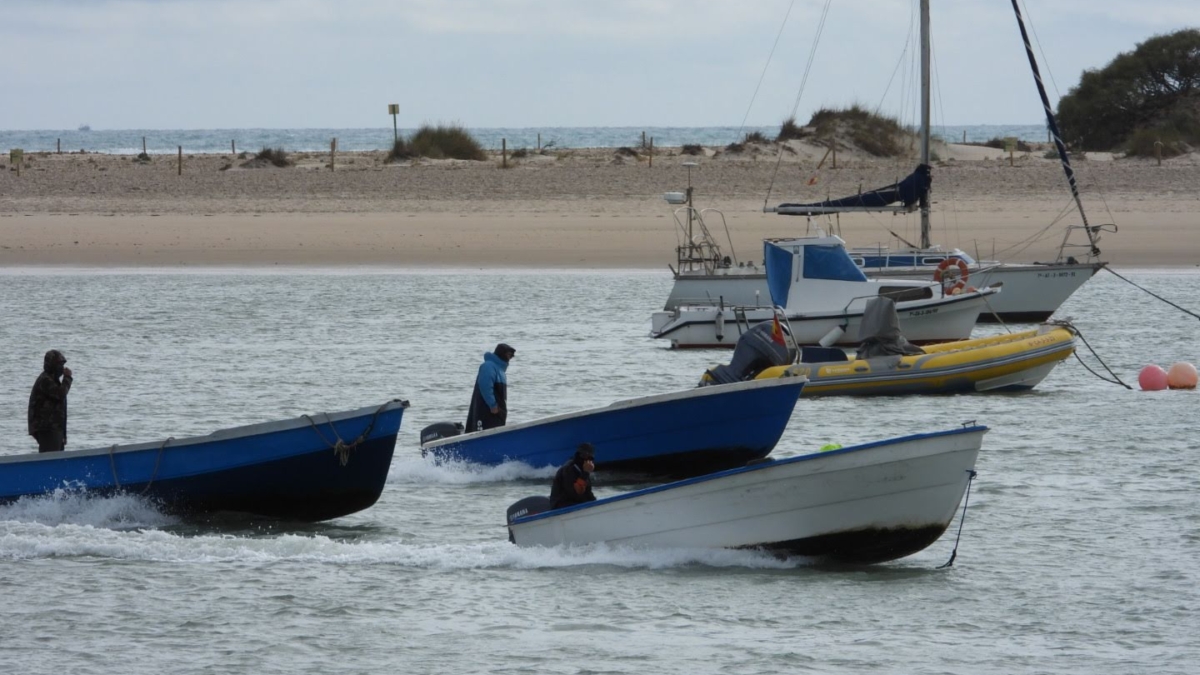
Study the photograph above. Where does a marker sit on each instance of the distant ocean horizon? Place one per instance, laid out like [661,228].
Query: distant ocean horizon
[208,141]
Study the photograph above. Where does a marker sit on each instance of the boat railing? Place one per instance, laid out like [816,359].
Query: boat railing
[698,250]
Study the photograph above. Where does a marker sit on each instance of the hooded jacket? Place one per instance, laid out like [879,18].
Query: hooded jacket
[491,391]
[572,485]
[48,399]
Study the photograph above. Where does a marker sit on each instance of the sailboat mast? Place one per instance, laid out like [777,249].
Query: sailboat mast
[1058,141]
[925,69]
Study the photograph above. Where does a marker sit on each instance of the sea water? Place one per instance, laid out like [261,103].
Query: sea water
[169,141]
[1080,551]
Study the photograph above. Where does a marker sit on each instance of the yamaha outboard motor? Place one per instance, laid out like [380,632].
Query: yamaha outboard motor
[435,432]
[880,331]
[755,352]
[530,506]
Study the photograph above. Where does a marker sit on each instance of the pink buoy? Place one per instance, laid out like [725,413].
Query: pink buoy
[1181,376]
[1152,378]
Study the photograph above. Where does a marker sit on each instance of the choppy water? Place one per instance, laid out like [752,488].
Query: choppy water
[1081,551]
[168,141]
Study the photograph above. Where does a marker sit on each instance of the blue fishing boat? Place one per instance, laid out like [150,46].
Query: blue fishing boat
[684,433]
[310,468]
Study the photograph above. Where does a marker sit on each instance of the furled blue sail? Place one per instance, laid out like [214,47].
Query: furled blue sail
[906,193]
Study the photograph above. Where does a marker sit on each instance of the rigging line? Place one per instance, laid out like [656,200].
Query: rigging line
[766,65]
[1041,50]
[1152,294]
[812,55]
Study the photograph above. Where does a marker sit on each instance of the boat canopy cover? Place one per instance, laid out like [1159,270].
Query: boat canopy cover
[880,331]
[830,262]
[907,192]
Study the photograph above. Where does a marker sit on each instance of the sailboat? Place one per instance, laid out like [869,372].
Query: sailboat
[1032,291]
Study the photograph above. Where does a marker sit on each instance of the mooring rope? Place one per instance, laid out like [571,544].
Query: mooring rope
[157,463]
[1185,311]
[1115,380]
[341,448]
[112,463]
[971,473]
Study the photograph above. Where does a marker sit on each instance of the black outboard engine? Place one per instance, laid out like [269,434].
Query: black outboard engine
[530,506]
[755,352]
[435,432]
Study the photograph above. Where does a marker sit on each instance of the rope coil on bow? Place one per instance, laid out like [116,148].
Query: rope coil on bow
[340,447]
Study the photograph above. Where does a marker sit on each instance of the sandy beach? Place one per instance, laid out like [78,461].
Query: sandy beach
[594,208]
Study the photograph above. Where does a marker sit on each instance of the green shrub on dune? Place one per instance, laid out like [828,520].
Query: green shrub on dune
[445,142]
[875,134]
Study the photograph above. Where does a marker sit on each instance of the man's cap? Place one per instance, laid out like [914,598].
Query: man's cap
[585,451]
[503,348]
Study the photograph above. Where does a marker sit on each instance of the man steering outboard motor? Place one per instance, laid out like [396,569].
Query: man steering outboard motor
[880,331]
[757,349]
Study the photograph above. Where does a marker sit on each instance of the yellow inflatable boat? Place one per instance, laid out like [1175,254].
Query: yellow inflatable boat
[1010,362]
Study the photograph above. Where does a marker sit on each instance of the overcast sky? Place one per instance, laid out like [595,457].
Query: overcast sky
[198,64]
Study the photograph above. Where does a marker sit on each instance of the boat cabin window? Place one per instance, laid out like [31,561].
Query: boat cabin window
[932,261]
[858,260]
[906,293]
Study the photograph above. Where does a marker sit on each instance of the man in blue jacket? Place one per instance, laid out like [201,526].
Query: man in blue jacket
[489,401]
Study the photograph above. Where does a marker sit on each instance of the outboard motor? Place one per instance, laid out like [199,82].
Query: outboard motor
[530,506]
[755,352]
[435,432]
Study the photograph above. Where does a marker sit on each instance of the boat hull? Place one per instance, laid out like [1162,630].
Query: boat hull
[678,434]
[921,322]
[864,504]
[1032,292]
[290,469]
[1012,362]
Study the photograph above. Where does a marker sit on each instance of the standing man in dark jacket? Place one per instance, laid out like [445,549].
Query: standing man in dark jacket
[573,482]
[489,401]
[48,403]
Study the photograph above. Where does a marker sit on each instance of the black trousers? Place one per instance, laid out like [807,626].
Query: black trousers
[51,440]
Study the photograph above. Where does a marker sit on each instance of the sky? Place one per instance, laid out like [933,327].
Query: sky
[216,64]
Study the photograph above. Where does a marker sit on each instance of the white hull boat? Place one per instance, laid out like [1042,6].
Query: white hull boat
[864,504]
[1033,292]
[823,296]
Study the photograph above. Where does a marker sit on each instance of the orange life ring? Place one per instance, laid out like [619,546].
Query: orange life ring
[964,272]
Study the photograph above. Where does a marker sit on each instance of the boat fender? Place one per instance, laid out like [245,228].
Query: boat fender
[832,336]
[441,430]
[720,323]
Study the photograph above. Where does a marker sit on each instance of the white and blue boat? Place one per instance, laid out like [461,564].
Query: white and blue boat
[310,468]
[683,433]
[864,504]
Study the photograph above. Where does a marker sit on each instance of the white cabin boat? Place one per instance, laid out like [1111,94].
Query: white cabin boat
[823,296]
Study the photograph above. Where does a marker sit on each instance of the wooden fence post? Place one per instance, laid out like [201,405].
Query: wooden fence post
[58,142]
[1158,151]
[504,153]
[143,145]
[833,150]
[651,163]
[539,142]
[180,161]
[333,154]
[233,147]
